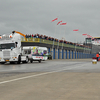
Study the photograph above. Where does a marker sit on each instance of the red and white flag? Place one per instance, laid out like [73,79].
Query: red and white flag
[84,34]
[59,22]
[63,23]
[89,36]
[54,19]
[75,30]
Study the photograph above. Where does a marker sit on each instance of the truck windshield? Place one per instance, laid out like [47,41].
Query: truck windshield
[7,46]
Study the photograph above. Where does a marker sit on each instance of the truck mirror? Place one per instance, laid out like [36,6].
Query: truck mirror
[16,44]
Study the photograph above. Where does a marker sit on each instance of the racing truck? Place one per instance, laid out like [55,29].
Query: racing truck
[11,49]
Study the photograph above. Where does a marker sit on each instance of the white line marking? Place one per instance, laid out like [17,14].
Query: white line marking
[38,75]
[11,70]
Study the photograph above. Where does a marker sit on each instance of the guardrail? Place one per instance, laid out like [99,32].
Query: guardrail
[39,40]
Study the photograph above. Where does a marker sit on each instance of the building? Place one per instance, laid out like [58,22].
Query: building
[94,43]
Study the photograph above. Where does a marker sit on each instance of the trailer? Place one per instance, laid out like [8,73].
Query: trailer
[36,53]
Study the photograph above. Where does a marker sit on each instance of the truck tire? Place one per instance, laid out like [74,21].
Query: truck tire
[12,62]
[2,62]
[40,61]
[31,60]
[26,61]
[19,59]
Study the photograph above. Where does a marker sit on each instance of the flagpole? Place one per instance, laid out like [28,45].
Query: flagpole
[65,30]
[63,34]
[59,37]
[54,35]
[85,41]
[55,29]
[59,32]
[76,40]
[63,38]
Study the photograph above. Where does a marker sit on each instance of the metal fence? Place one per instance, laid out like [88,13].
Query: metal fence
[39,40]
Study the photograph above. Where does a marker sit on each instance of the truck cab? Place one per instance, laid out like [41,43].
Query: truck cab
[10,49]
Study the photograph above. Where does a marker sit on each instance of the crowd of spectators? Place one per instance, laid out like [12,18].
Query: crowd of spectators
[41,36]
[52,39]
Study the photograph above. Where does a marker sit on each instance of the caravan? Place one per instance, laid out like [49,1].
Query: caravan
[36,53]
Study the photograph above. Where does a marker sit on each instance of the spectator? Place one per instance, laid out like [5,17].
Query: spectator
[64,41]
[44,37]
[57,40]
[32,35]
[26,36]
[52,39]
[49,38]
[97,55]
[35,36]
[41,36]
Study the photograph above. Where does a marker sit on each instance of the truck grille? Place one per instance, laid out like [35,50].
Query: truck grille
[6,54]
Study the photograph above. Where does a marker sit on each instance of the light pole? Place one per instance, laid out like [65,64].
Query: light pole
[76,40]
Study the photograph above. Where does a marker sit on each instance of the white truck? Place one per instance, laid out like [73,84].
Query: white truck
[11,50]
[36,53]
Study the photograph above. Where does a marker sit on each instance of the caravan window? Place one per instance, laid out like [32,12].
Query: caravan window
[27,51]
[45,52]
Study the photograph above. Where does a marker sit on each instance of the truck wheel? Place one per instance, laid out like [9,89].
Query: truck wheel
[39,61]
[11,62]
[31,60]
[19,59]
[2,62]
[26,60]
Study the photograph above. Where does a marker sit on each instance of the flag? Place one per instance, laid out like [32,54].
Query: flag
[54,19]
[59,22]
[63,23]
[84,34]
[89,36]
[75,30]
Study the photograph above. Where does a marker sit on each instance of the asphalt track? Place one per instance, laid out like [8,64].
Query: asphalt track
[74,79]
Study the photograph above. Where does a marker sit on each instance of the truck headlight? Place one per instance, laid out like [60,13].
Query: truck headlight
[14,57]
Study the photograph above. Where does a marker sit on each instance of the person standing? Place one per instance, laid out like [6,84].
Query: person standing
[97,55]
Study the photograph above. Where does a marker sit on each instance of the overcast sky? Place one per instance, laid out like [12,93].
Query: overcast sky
[34,16]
